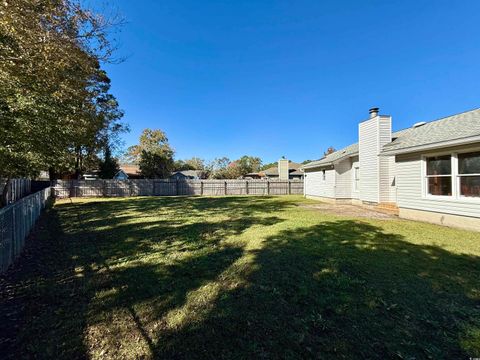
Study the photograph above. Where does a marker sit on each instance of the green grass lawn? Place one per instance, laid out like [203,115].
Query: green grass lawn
[239,278]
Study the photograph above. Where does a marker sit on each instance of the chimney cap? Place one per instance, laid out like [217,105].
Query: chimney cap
[373,112]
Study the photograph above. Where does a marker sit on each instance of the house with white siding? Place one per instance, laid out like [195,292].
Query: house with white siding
[429,172]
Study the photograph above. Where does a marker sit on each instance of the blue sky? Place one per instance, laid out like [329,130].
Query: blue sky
[274,78]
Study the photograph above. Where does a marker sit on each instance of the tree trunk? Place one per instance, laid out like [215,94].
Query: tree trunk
[78,163]
[5,191]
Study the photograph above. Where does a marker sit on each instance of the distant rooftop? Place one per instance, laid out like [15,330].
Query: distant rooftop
[272,171]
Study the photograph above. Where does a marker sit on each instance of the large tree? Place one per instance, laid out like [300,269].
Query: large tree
[248,164]
[153,154]
[194,163]
[218,168]
[108,166]
[54,102]
[223,168]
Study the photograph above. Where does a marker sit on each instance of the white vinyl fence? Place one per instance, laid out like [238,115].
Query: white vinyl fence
[161,187]
[18,188]
[16,222]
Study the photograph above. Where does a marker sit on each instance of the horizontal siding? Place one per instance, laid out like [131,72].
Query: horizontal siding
[343,179]
[316,186]
[387,179]
[385,163]
[355,163]
[392,179]
[368,154]
[409,180]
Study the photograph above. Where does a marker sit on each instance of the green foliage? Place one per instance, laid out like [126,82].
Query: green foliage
[151,141]
[219,169]
[194,163]
[55,106]
[153,154]
[108,166]
[155,165]
[268,166]
[248,164]
[223,168]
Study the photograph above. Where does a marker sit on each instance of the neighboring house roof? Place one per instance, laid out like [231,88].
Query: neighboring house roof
[292,166]
[130,169]
[120,172]
[451,129]
[296,172]
[459,127]
[189,173]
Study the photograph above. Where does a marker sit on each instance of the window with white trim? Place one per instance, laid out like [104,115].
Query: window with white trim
[469,174]
[439,175]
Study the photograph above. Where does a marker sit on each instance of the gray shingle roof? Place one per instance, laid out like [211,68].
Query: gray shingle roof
[350,150]
[296,172]
[272,171]
[454,127]
[192,173]
[459,126]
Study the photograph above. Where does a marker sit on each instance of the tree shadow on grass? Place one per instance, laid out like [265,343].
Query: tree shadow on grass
[342,289]
[80,280]
[102,281]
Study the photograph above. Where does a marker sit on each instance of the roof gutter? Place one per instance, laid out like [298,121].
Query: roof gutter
[330,163]
[326,164]
[432,146]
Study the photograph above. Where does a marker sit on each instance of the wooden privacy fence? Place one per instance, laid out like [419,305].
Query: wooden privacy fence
[16,222]
[18,188]
[161,187]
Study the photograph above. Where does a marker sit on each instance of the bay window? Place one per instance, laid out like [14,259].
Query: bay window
[469,174]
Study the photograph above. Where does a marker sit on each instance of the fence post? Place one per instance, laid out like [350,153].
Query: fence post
[225,188]
[176,186]
[14,237]
[246,187]
[201,188]
[268,187]
[289,187]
